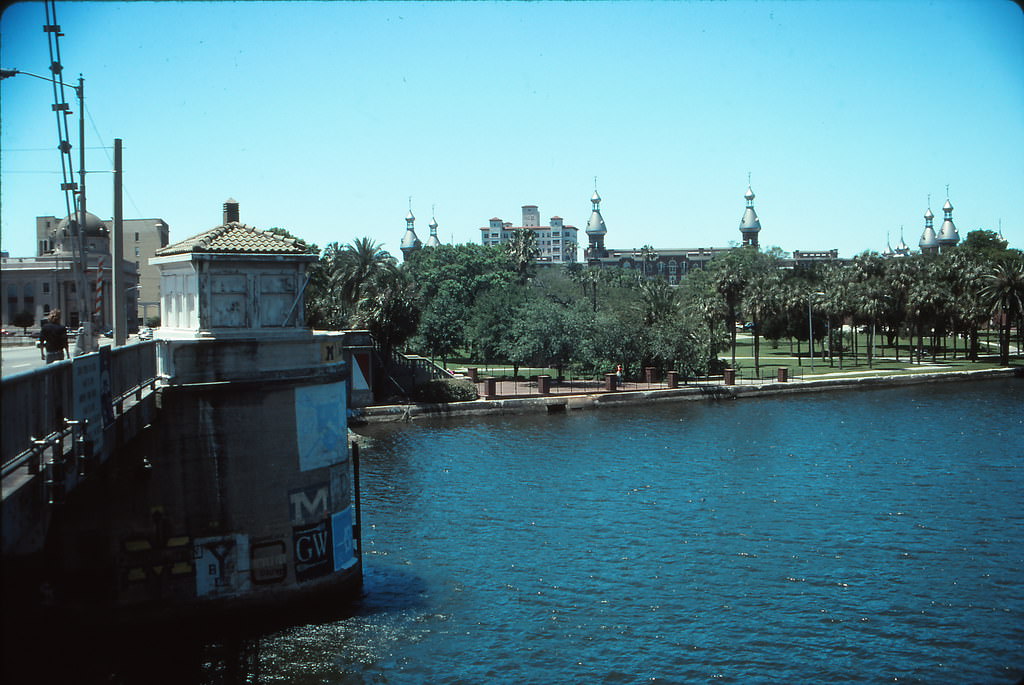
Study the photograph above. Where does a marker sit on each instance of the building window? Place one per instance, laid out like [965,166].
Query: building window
[137,251]
[136,238]
[46,288]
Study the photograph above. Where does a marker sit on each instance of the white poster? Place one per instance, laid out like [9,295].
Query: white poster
[88,389]
[222,565]
[320,425]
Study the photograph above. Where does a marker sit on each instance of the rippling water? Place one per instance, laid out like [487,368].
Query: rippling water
[857,536]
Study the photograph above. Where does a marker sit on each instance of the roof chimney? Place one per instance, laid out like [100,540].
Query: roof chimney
[230,211]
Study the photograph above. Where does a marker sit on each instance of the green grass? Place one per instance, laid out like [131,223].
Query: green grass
[884,361]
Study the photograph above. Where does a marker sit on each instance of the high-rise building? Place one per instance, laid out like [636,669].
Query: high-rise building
[555,241]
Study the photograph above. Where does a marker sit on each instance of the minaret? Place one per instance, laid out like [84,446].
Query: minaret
[928,243]
[750,225]
[432,241]
[888,252]
[410,243]
[596,229]
[902,250]
[948,235]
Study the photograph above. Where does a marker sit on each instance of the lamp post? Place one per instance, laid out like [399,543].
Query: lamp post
[810,327]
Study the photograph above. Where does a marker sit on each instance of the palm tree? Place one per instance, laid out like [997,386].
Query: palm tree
[900,275]
[522,249]
[1004,292]
[704,301]
[660,301]
[729,274]
[357,265]
[389,309]
[760,299]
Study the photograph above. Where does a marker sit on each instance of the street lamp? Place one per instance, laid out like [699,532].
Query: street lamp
[810,327]
[65,148]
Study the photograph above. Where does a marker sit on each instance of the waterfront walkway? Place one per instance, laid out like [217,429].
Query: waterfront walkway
[524,396]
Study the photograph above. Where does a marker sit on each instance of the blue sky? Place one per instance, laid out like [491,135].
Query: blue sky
[325,117]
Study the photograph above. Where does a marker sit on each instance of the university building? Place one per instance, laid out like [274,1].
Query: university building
[673,263]
[410,242]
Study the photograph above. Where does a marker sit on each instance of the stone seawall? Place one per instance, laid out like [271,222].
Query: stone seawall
[561,403]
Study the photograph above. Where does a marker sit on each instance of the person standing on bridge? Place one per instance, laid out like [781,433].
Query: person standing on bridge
[53,338]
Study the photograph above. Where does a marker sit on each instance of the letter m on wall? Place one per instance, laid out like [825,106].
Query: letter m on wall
[309,504]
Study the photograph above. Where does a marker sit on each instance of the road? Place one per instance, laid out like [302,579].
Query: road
[21,358]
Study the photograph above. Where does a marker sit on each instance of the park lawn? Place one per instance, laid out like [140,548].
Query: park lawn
[798,366]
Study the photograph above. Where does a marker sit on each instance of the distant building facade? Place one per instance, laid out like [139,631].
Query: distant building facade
[141,239]
[673,264]
[556,241]
[931,242]
[50,280]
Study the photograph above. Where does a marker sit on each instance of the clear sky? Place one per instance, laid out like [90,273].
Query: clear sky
[325,117]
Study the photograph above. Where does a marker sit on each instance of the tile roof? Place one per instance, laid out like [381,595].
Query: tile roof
[236,238]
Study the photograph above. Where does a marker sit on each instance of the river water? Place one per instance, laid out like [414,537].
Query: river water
[858,536]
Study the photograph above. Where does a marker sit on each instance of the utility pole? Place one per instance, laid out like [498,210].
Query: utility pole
[117,282]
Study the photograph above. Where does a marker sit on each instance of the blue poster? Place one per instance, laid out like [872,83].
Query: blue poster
[344,543]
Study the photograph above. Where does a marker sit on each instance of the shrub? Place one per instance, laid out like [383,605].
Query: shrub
[444,390]
[23,320]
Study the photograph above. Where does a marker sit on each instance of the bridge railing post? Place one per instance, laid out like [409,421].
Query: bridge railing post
[54,469]
[80,447]
[35,458]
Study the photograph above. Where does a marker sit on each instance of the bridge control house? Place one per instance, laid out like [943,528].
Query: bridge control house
[241,492]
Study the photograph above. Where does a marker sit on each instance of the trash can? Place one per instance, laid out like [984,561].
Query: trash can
[544,385]
[783,374]
[672,379]
[489,388]
[609,382]
[649,374]
[471,372]
[729,376]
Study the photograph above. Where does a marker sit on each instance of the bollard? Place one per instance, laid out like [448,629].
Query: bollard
[783,374]
[729,376]
[672,379]
[609,382]
[489,388]
[544,385]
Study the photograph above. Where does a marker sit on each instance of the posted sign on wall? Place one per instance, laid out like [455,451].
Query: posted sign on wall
[88,393]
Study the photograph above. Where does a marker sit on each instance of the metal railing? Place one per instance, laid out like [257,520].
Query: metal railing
[37,404]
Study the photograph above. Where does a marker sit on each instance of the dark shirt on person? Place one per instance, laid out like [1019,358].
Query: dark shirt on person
[53,337]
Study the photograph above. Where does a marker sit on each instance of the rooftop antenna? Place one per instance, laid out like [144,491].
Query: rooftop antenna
[595,183]
[748,178]
[947,191]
